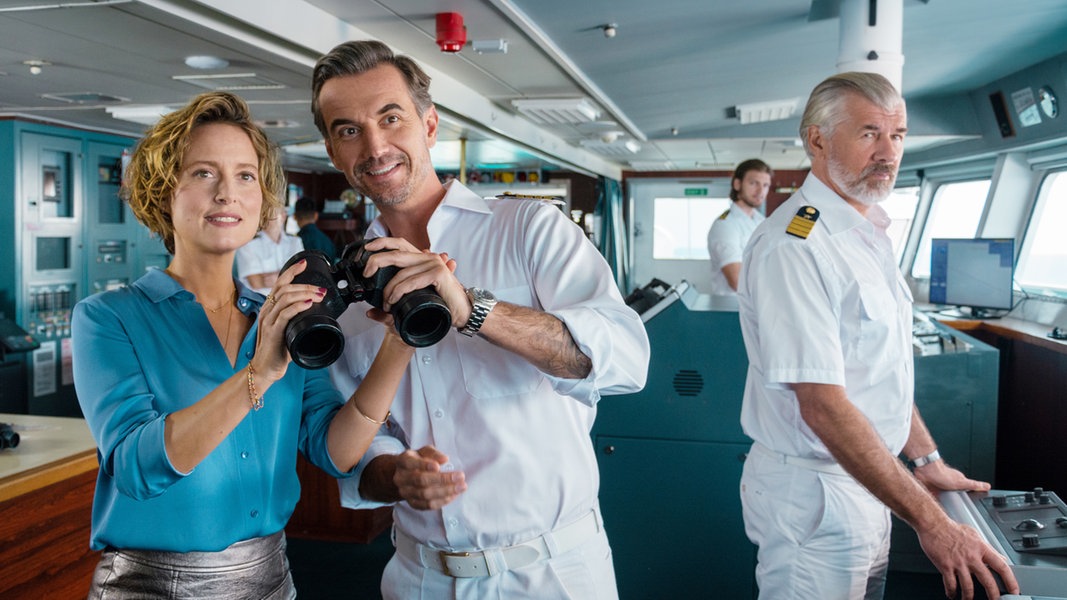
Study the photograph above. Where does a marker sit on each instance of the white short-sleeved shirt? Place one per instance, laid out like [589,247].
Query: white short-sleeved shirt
[726,242]
[263,255]
[832,309]
[521,437]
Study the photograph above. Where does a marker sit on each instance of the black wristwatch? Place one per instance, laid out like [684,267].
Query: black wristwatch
[482,301]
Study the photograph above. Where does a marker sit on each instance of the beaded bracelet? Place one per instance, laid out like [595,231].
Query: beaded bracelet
[253,398]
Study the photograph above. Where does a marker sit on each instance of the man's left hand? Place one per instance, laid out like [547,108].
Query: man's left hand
[939,477]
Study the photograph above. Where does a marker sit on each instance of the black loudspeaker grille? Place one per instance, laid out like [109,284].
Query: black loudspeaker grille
[688,383]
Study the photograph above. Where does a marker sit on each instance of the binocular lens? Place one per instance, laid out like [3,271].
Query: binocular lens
[422,319]
[314,342]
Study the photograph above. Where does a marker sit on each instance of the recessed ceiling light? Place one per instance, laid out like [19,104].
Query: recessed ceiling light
[206,61]
[36,65]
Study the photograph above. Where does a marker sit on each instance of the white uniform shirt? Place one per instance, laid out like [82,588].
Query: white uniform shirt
[262,255]
[833,309]
[726,243]
[520,436]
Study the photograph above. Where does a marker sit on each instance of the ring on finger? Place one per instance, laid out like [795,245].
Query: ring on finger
[272,299]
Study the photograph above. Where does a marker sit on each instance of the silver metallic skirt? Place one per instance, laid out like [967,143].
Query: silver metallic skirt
[250,569]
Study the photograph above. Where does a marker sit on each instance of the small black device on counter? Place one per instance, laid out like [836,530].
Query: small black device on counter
[14,338]
[9,438]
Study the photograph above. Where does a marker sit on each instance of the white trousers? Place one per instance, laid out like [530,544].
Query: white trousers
[585,573]
[821,536]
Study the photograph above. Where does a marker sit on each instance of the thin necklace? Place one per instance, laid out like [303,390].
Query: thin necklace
[233,294]
[229,321]
[229,301]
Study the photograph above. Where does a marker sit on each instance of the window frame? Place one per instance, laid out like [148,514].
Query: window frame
[926,205]
[1027,235]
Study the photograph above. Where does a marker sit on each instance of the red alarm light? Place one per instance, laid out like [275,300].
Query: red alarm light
[451,33]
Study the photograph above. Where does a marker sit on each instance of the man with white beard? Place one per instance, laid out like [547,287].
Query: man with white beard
[826,318]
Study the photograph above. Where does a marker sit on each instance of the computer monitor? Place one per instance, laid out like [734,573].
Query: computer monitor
[975,274]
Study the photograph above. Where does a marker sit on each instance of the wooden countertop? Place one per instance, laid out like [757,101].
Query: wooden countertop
[1017,329]
[50,449]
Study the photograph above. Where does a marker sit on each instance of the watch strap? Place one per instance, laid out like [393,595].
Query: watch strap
[482,303]
[922,461]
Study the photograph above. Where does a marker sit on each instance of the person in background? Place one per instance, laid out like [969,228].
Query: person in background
[826,318]
[731,231]
[306,215]
[260,260]
[187,386]
[487,459]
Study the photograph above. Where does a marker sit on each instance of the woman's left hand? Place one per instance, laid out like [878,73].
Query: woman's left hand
[285,300]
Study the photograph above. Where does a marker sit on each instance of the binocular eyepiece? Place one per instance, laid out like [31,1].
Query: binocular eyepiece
[314,338]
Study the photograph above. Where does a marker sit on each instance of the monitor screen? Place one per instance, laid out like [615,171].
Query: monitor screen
[974,273]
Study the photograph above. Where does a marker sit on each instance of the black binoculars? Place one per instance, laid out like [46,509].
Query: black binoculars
[9,438]
[314,338]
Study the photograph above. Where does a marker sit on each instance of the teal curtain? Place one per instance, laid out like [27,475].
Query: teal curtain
[611,237]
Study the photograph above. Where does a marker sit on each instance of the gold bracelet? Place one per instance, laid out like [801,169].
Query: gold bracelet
[253,398]
[364,415]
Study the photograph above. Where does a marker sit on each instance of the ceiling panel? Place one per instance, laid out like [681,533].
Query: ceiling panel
[668,79]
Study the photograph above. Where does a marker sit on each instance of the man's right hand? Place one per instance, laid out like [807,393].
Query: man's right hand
[418,269]
[960,553]
[420,481]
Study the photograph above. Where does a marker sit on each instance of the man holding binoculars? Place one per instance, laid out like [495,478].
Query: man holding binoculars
[487,456]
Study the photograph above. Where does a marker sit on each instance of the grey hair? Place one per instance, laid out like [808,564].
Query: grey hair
[357,57]
[824,108]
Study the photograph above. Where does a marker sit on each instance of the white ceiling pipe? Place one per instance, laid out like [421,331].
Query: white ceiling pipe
[871,38]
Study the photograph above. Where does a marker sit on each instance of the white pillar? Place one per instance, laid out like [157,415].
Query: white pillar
[872,48]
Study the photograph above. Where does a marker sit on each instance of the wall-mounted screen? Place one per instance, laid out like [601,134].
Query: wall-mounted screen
[972,273]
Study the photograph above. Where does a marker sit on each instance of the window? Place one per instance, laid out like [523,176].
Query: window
[1044,252]
[681,226]
[901,206]
[955,212]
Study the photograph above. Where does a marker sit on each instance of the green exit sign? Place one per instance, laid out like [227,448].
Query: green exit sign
[696,191]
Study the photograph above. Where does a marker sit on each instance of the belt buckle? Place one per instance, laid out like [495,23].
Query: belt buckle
[444,555]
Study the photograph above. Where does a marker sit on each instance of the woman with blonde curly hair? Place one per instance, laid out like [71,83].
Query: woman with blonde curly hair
[187,386]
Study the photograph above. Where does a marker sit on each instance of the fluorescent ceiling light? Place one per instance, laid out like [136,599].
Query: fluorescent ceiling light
[615,148]
[206,61]
[651,165]
[759,112]
[557,111]
[146,114]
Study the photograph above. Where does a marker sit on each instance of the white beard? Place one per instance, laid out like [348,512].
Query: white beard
[859,188]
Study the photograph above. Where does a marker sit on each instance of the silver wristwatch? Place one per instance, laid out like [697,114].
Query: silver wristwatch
[922,461]
[482,301]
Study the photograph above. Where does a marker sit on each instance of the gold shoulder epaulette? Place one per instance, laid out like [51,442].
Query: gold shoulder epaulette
[556,201]
[803,222]
[724,214]
[530,197]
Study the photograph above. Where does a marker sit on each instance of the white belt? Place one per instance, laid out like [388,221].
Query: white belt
[491,561]
[822,465]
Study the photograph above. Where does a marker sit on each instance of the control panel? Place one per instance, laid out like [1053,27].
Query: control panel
[1027,528]
[1032,522]
[67,234]
[929,337]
